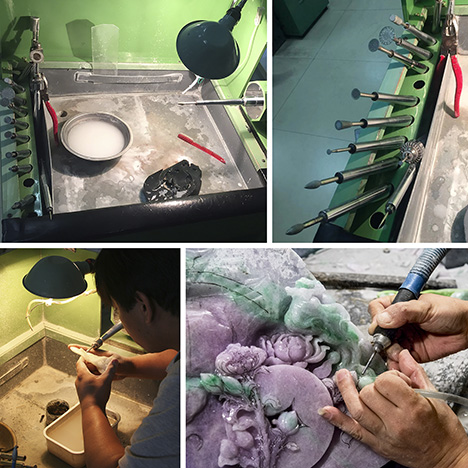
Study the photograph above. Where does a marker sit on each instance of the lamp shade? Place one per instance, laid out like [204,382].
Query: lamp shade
[55,277]
[208,49]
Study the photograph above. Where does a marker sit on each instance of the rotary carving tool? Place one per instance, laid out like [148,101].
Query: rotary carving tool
[350,174]
[400,121]
[411,152]
[428,39]
[111,332]
[384,143]
[411,288]
[331,213]
[393,98]
[374,45]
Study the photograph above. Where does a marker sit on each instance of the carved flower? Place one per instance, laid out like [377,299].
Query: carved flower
[293,349]
[239,360]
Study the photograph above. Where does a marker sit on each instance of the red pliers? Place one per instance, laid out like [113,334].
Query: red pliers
[450,47]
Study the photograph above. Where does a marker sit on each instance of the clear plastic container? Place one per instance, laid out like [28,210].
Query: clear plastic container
[105,49]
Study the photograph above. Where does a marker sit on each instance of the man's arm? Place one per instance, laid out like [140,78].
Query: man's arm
[102,446]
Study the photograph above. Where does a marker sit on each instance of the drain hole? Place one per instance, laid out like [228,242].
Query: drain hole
[55,409]
[419,84]
[376,219]
[29,182]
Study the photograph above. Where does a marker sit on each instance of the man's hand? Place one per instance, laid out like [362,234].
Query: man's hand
[399,424]
[433,326]
[94,390]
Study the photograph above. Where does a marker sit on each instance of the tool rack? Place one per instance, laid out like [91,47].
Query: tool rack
[362,224]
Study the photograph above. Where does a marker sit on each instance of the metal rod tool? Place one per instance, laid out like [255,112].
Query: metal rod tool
[394,98]
[23,203]
[428,39]
[395,200]
[411,152]
[111,332]
[19,111]
[409,290]
[20,139]
[415,50]
[18,88]
[227,102]
[387,36]
[332,213]
[19,124]
[384,143]
[374,45]
[401,121]
[20,170]
[438,4]
[344,176]
[19,154]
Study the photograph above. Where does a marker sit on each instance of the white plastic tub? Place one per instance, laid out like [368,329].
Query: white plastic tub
[65,438]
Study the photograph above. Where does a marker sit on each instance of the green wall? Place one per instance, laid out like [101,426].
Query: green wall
[13,297]
[148,30]
[81,316]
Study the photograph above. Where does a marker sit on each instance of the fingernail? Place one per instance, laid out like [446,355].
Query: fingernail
[324,413]
[385,318]
[341,375]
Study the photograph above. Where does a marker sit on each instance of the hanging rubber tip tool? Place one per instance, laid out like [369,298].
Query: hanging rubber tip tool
[411,288]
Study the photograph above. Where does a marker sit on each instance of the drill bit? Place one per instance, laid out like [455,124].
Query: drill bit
[383,219]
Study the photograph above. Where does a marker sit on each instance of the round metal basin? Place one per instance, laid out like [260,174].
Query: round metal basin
[96,136]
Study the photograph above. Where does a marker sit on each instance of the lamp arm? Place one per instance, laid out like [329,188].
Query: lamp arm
[86,266]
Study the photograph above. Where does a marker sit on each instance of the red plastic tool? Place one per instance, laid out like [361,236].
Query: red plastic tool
[54,120]
[200,147]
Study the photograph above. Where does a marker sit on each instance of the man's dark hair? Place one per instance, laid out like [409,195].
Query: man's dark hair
[120,273]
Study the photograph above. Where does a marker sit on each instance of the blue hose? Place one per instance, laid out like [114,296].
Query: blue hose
[422,269]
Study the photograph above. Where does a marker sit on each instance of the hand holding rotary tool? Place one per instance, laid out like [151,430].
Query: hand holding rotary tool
[411,288]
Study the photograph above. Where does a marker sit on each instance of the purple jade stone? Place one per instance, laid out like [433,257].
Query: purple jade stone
[263,343]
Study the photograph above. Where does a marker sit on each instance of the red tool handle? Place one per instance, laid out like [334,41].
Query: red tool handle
[200,147]
[459,84]
[440,67]
[54,120]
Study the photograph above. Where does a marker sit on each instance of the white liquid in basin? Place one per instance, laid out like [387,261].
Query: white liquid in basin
[96,139]
[69,434]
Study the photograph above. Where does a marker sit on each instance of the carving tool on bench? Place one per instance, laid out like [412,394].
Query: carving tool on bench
[252,101]
[332,213]
[411,288]
[450,47]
